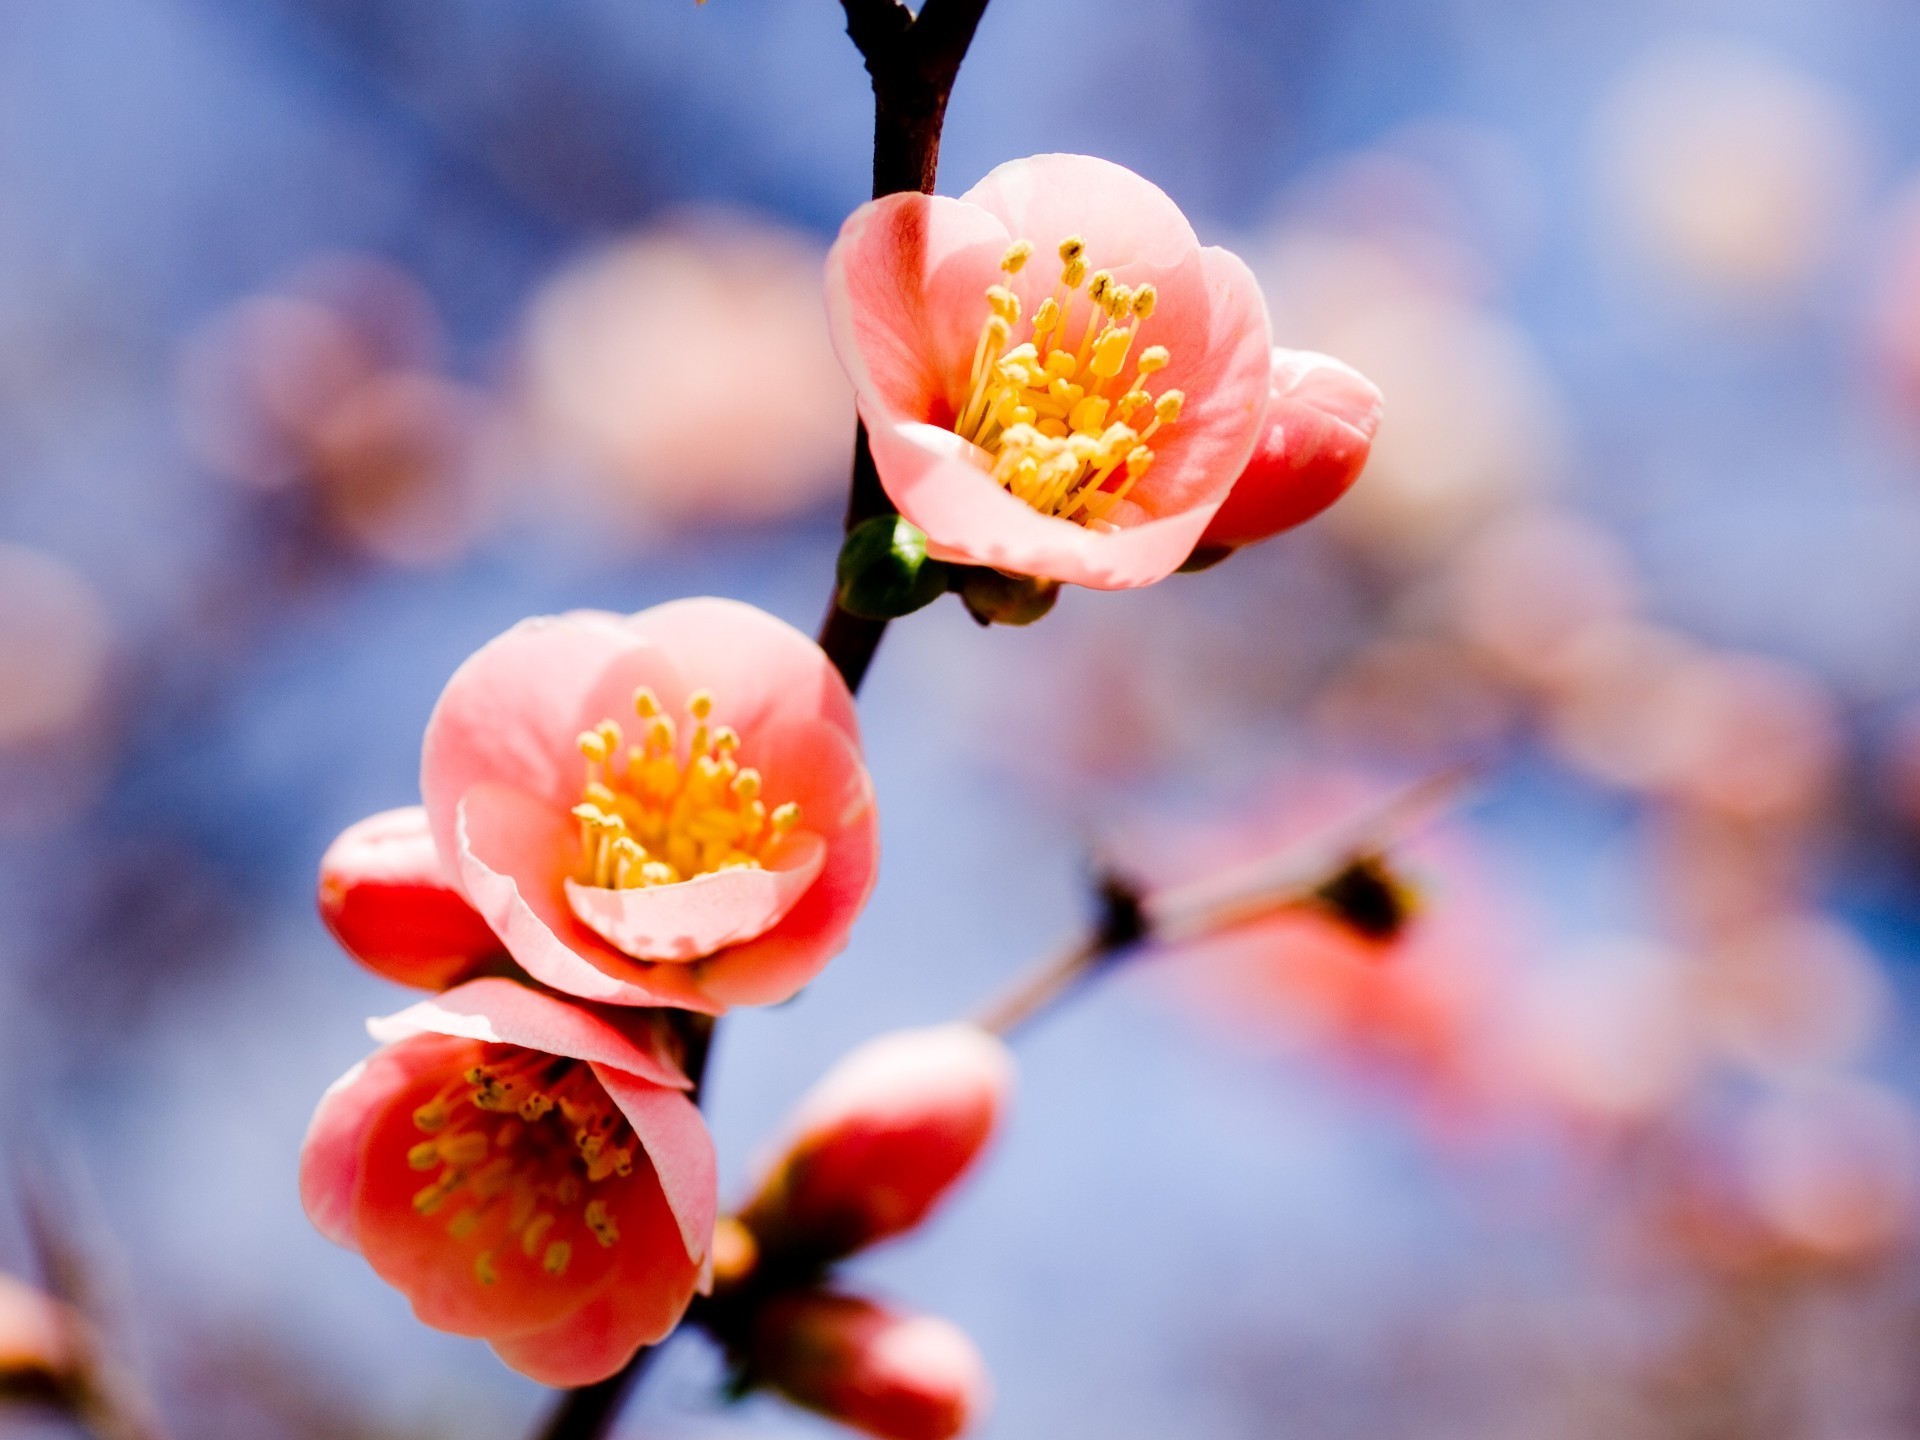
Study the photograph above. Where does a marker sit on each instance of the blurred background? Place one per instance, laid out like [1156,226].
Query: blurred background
[336,335]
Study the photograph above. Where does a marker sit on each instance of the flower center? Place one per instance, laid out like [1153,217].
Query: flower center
[522,1142]
[649,818]
[1052,411]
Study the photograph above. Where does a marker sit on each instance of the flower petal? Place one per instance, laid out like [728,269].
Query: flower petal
[698,916]
[513,849]
[823,772]
[506,1012]
[330,1156]
[677,1141]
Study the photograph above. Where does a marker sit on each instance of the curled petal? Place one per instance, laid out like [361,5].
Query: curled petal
[505,1012]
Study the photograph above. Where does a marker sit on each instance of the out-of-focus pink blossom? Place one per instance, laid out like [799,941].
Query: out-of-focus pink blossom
[386,897]
[55,641]
[1321,419]
[1606,1032]
[1729,169]
[1532,583]
[524,1169]
[881,1139]
[1746,736]
[685,374]
[1790,994]
[1076,413]
[328,386]
[900,1377]
[1477,421]
[719,857]
[1833,1166]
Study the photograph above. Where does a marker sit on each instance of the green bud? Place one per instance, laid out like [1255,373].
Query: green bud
[884,571]
[994,598]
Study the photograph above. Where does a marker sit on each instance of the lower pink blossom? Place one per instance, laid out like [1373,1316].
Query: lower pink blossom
[525,1170]
[881,1139]
[900,1377]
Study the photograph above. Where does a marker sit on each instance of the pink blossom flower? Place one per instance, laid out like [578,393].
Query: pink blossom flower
[385,897]
[876,1144]
[1321,419]
[901,1377]
[704,864]
[524,1169]
[1080,424]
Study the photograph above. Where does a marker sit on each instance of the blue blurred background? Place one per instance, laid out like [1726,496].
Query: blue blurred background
[336,335]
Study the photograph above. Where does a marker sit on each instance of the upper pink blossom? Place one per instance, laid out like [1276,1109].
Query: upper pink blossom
[1057,378]
[1321,419]
[667,808]
[385,897]
[881,1139]
[524,1169]
[899,1377]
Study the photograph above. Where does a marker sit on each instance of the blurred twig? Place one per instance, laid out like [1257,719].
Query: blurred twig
[1305,874]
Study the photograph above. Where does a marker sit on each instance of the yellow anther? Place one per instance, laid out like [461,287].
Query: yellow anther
[483,1269]
[424,1156]
[535,1106]
[785,817]
[1152,360]
[1046,317]
[1167,408]
[1074,273]
[646,704]
[554,1262]
[1071,249]
[660,735]
[1144,300]
[726,739]
[601,1223]
[535,1233]
[1098,287]
[1119,301]
[998,330]
[656,873]
[609,737]
[1089,417]
[1139,460]
[700,704]
[465,1149]
[1110,352]
[593,745]
[1060,366]
[432,1116]
[463,1225]
[1016,256]
[431,1197]
[1004,303]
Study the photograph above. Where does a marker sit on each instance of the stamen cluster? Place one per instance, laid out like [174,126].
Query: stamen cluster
[647,817]
[533,1146]
[1043,409]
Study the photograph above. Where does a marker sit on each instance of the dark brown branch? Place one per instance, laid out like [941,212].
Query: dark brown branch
[912,63]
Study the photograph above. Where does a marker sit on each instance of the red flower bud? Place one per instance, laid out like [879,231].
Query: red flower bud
[901,1377]
[1321,419]
[384,896]
[881,1138]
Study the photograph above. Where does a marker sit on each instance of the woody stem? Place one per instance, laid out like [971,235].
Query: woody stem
[912,61]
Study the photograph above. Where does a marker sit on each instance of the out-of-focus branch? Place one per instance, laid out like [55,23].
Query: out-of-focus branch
[912,62]
[1323,871]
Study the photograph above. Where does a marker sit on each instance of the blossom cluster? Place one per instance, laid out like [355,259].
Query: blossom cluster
[631,824]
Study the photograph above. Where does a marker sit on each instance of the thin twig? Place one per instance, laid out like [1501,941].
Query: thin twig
[1131,921]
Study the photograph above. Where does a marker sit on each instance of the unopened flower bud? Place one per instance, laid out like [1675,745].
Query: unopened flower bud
[883,1136]
[884,571]
[900,1377]
[40,1345]
[386,899]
